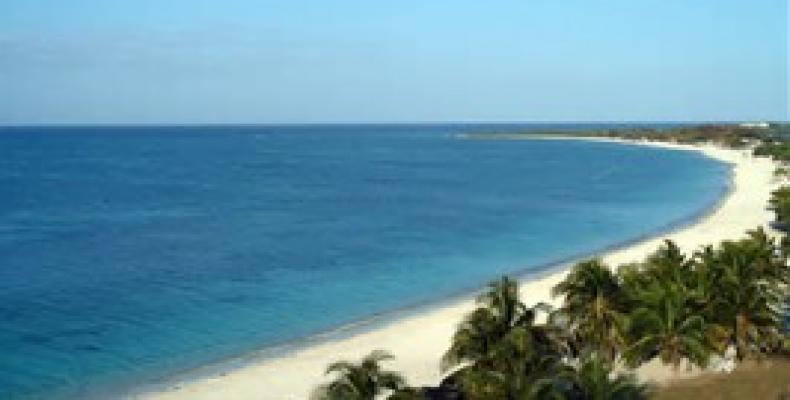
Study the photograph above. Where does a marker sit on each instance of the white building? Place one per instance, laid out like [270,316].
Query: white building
[755,125]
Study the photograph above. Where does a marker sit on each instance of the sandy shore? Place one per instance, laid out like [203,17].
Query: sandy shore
[418,341]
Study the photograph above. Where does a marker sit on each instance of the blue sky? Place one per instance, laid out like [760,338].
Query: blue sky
[245,61]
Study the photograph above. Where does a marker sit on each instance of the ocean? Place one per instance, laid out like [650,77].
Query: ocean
[129,255]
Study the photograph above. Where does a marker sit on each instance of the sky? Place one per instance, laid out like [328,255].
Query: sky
[261,61]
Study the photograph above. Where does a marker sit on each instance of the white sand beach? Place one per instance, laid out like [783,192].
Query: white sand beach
[418,340]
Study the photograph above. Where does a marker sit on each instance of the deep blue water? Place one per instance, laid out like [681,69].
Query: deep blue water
[131,254]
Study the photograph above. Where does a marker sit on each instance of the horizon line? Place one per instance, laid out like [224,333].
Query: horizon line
[374,123]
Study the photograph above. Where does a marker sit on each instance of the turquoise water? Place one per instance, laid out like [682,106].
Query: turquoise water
[132,254]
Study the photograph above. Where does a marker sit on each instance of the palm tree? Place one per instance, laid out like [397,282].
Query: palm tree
[479,383]
[512,378]
[668,263]
[592,380]
[593,307]
[768,256]
[474,339]
[703,282]
[360,381]
[747,276]
[665,324]
[779,203]
[499,346]
[525,355]
[499,311]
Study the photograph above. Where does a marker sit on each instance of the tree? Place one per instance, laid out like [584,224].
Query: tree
[591,380]
[703,283]
[360,381]
[770,261]
[593,307]
[666,324]
[747,278]
[499,311]
[668,263]
[500,348]
[780,205]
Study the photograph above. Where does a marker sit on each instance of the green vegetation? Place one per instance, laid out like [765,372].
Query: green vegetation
[361,381]
[672,307]
[728,135]
[770,140]
[502,352]
[777,149]
[776,144]
[681,309]
[780,205]
[594,309]
[745,299]
[593,380]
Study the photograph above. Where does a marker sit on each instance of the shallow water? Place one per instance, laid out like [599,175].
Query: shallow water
[129,254]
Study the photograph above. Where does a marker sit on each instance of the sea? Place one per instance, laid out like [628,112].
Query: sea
[130,255]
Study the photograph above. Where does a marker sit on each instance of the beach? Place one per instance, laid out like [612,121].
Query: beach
[419,339]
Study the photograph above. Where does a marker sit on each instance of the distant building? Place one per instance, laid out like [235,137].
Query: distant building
[755,125]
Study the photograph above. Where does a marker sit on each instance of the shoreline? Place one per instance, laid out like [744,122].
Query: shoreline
[382,319]
[292,369]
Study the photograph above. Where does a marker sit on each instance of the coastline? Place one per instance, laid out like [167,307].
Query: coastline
[292,375]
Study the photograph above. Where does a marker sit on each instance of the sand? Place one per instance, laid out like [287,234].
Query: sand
[419,339]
